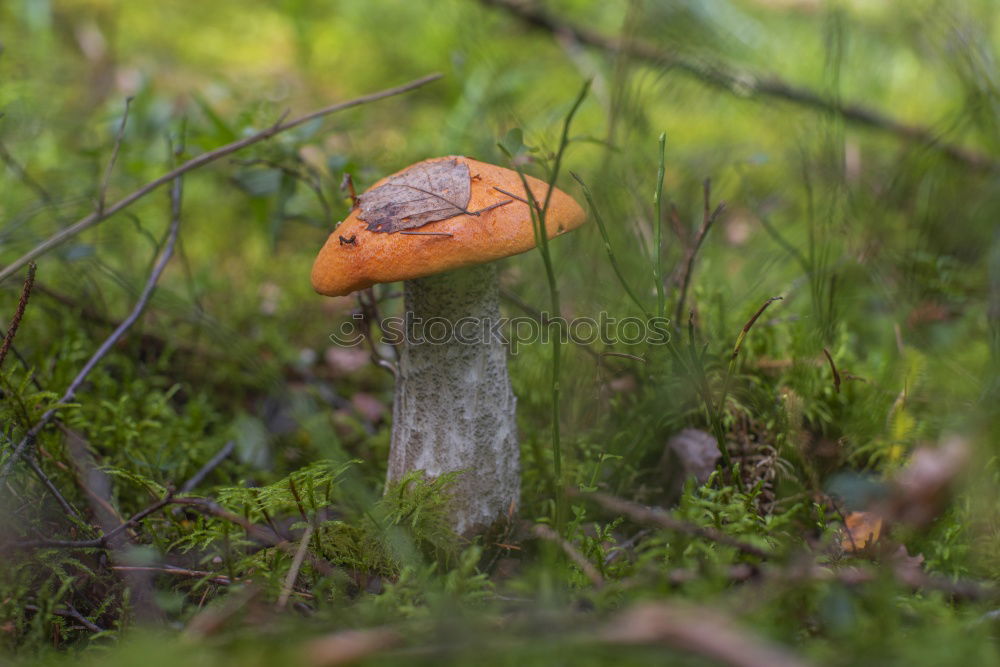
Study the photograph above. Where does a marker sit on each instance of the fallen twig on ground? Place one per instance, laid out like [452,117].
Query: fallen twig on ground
[546,533]
[293,570]
[253,531]
[72,613]
[649,516]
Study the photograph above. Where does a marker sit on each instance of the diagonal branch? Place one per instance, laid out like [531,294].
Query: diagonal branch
[653,517]
[103,350]
[746,83]
[194,163]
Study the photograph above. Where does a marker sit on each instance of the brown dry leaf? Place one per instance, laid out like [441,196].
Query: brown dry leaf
[349,646]
[860,530]
[427,192]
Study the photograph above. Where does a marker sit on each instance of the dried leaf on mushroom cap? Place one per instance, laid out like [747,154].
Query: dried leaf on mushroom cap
[426,192]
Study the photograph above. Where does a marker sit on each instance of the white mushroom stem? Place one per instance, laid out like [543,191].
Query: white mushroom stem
[454,407]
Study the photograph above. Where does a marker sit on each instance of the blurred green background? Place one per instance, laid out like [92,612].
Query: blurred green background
[878,227]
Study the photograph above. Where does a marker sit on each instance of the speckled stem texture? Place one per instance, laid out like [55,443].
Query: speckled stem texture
[454,407]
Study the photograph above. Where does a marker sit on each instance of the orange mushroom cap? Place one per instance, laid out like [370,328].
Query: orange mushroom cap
[354,258]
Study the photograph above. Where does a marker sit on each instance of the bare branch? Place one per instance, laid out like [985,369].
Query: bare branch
[546,533]
[209,466]
[44,479]
[196,162]
[293,571]
[69,612]
[268,537]
[106,346]
[648,516]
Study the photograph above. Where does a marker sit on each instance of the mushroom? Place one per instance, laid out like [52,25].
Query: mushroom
[439,225]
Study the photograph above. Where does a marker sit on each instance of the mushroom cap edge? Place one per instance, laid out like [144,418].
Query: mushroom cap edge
[354,258]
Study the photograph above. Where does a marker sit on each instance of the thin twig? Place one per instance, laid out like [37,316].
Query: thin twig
[103,541]
[621,548]
[708,219]
[293,571]
[623,355]
[90,315]
[546,533]
[370,314]
[833,368]
[310,178]
[730,371]
[213,577]
[209,466]
[648,516]
[266,536]
[196,162]
[102,193]
[52,488]
[69,612]
[103,350]
[511,194]
[15,321]
[747,84]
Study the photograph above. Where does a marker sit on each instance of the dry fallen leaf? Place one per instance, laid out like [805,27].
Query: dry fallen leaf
[427,192]
[860,530]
